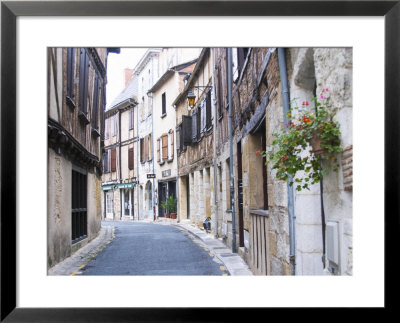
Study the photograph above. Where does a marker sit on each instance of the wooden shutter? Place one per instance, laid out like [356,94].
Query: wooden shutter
[150,147]
[198,123]
[194,125]
[95,101]
[164,147]
[146,149]
[158,150]
[70,72]
[83,80]
[113,160]
[142,150]
[130,158]
[172,144]
[219,91]
[208,110]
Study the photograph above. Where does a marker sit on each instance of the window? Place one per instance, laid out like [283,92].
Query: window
[79,206]
[83,80]
[131,119]
[130,158]
[114,125]
[164,140]
[186,130]
[70,76]
[109,203]
[179,141]
[107,129]
[106,162]
[164,105]
[143,108]
[113,160]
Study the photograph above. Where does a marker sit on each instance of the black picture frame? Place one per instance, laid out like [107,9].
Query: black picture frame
[10,10]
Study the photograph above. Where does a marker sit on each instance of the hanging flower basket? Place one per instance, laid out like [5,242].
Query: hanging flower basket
[308,138]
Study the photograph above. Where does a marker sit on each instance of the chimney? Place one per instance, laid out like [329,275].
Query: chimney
[128,75]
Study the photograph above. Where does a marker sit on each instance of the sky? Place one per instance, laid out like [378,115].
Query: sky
[128,58]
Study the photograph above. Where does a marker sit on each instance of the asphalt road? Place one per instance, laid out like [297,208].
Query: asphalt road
[152,249]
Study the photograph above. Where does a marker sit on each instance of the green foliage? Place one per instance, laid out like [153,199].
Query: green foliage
[169,204]
[287,152]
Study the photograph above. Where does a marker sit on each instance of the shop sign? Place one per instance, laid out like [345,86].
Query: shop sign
[107,187]
[151,175]
[129,185]
[166,173]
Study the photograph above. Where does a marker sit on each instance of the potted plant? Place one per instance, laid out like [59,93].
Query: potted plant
[310,138]
[170,206]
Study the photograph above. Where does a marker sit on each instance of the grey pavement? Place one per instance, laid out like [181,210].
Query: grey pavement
[233,263]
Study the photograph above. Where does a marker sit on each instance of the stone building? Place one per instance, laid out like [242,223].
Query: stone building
[163,92]
[195,143]
[120,154]
[76,98]
[278,231]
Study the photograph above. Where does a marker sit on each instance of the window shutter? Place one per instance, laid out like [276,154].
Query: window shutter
[208,110]
[131,118]
[70,72]
[142,150]
[194,125]
[165,147]
[150,147]
[95,101]
[83,80]
[203,117]
[146,149]
[158,150]
[113,160]
[219,91]
[130,158]
[235,66]
[198,123]
[172,144]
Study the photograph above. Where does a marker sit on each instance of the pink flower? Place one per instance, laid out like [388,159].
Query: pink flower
[322,97]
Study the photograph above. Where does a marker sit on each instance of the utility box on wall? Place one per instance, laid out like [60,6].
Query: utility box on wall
[333,246]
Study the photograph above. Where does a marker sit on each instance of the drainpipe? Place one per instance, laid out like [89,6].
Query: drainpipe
[285,100]
[120,166]
[215,156]
[232,187]
[137,162]
[152,152]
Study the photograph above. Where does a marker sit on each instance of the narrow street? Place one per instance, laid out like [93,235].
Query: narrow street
[151,249]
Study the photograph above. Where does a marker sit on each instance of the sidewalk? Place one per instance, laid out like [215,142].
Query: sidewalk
[71,265]
[234,264]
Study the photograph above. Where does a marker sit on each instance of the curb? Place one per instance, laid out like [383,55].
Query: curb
[78,260]
[233,263]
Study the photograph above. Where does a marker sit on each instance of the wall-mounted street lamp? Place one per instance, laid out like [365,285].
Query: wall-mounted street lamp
[191,97]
